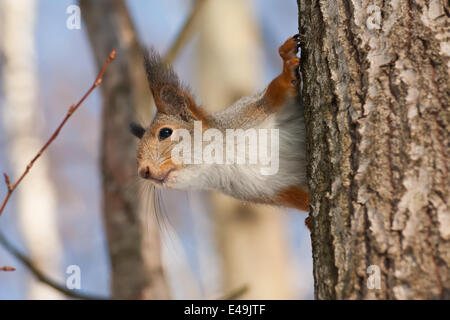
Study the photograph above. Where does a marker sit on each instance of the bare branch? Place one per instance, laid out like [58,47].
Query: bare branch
[7,268]
[8,182]
[11,187]
[235,294]
[185,34]
[40,275]
[71,110]
[180,41]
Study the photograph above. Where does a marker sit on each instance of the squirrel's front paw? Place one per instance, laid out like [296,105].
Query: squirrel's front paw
[288,52]
[289,49]
[287,83]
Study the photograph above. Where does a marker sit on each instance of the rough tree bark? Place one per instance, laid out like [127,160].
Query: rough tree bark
[376,97]
[134,247]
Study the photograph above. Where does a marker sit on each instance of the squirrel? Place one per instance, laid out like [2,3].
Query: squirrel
[276,107]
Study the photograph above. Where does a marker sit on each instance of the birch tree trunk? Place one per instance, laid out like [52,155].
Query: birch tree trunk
[134,246]
[376,96]
[36,198]
[251,238]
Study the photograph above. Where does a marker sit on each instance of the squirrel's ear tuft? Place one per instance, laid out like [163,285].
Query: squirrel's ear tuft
[158,72]
[137,130]
[160,76]
[170,96]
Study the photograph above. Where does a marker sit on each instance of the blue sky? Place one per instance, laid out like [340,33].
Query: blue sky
[65,70]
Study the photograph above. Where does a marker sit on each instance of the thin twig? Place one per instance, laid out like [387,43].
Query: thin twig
[235,294]
[181,39]
[7,268]
[40,275]
[185,34]
[71,110]
[11,187]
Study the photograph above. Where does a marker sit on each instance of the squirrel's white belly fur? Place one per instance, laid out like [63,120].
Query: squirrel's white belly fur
[245,181]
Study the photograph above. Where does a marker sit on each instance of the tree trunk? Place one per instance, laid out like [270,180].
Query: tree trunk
[134,247]
[376,98]
[21,117]
[251,239]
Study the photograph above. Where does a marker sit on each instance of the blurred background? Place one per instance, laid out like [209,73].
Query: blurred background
[203,245]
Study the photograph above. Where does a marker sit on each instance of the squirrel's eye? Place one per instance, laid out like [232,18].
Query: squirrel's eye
[164,133]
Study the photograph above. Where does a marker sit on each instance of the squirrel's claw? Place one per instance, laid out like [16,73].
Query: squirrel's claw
[299,39]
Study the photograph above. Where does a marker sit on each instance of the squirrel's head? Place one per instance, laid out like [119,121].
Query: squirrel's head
[176,109]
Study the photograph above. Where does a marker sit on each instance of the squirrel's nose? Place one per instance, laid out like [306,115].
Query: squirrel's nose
[144,172]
